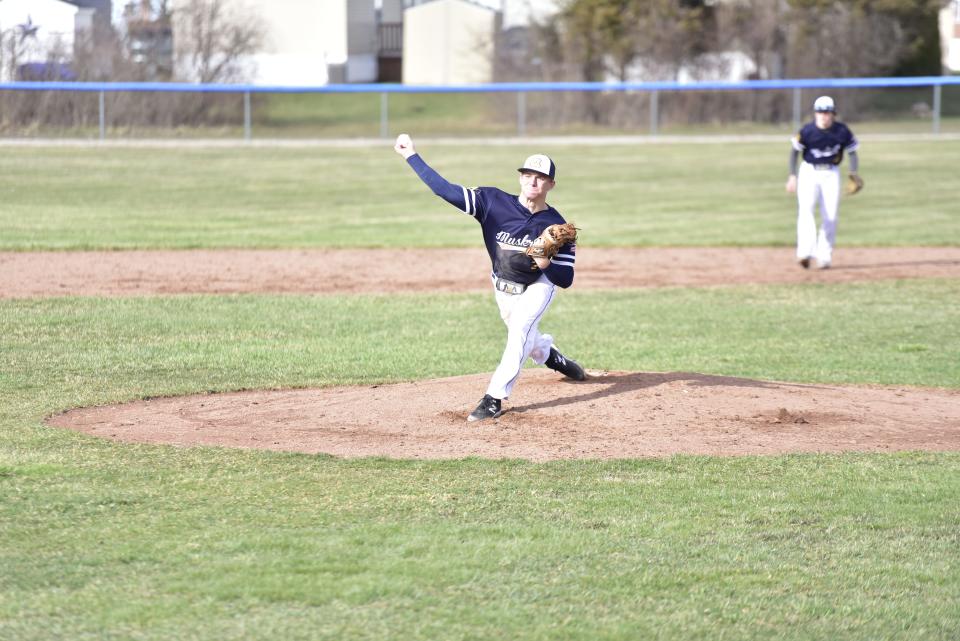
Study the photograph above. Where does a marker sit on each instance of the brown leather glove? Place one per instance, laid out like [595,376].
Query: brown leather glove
[853,185]
[551,240]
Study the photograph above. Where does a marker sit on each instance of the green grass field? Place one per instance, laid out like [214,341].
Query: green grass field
[643,195]
[101,540]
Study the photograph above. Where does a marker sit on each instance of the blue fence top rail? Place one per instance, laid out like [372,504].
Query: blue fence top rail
[513,87]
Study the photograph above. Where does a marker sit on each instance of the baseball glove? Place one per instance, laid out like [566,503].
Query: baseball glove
[854,184]
[547,244]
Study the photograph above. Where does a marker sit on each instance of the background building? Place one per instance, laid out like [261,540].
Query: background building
[149,40]
[390,41]
[42,39]
[93,14]
[449,42]
[315,43]
[950,36]
[36,39]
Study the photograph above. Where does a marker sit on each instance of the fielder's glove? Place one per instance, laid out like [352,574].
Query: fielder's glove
[551,240]
[854,184]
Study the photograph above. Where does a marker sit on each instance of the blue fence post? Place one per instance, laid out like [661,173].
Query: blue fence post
[103,120]
[246,116]
[654,111]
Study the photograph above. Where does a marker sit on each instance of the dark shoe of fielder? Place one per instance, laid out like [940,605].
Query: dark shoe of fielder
[568,367]
[489,407]
[805,262]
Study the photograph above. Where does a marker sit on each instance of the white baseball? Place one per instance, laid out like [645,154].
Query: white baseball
[403,141]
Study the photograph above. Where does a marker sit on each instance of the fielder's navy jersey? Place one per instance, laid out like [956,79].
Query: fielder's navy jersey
[508,228]
[824,146]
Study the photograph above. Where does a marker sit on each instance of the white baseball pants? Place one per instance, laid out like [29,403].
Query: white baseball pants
[522,313]
[817,187]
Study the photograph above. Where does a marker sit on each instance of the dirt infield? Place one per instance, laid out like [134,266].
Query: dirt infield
[342,271]
[611,415]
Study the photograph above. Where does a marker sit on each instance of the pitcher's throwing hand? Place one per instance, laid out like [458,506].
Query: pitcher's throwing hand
[404,146]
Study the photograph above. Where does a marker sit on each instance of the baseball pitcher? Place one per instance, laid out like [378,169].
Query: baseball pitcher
[532,252]
[822,143]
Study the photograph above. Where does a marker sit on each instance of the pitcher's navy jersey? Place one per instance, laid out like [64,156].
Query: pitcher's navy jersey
[508,227]
[824,146]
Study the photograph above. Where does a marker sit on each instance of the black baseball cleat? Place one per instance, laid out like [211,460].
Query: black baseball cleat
[489,407]
[568,367]
[804,262]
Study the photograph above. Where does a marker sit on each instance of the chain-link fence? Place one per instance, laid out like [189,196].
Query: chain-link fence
[929,105]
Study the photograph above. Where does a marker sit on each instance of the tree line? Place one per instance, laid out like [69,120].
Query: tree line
[658,39]
[690,40]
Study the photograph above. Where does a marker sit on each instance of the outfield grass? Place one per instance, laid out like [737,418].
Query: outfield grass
[644,195]
[886,332]
[100,540]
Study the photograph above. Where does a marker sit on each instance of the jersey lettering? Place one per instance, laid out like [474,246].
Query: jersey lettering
[829,152]
[824,146]
[505,238]
[508,227]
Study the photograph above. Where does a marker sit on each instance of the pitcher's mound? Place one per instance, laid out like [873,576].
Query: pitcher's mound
[611,415]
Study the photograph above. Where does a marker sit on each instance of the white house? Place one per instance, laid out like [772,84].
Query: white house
[316,42]
[34,33]
[950,36]
[449,42]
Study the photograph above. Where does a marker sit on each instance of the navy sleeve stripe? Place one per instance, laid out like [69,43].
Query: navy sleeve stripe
[568,256]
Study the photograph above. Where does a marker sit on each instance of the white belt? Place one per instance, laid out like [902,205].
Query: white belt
[822,166]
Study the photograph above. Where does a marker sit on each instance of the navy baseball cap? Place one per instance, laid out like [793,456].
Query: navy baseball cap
[540,164]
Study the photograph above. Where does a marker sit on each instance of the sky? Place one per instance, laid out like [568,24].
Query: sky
[515,11]
[518,11]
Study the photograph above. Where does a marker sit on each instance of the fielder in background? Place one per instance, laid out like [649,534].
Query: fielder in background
[513,228]
[822,143]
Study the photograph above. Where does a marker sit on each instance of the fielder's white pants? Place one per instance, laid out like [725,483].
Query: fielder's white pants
[522,313]
[817,187]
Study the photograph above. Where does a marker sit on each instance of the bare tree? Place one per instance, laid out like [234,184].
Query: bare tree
[595,40]
[14,43]
[757,28]
[844,38]
[215,39]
